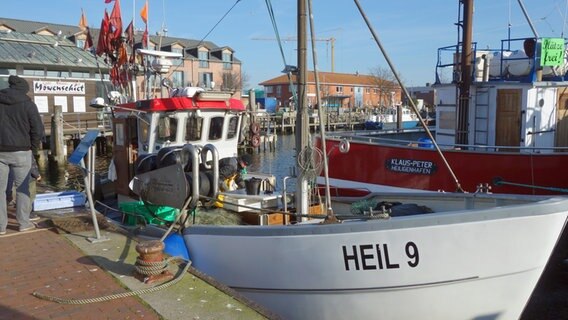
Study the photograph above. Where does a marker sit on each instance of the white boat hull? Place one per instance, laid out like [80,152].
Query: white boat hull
[462,264]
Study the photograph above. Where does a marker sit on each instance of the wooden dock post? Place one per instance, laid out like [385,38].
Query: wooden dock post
[57,147]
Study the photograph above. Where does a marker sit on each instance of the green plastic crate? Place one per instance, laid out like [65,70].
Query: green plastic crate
[151,214]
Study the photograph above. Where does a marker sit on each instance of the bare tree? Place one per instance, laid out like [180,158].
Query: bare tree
[234,81]
[385,81]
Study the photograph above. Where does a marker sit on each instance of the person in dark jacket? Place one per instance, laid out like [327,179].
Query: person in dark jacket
[233,169]
[20,133]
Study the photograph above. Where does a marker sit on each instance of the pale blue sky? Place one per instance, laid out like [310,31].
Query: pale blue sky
[411,30]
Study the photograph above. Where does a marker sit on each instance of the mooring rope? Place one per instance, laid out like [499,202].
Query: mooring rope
[115,296]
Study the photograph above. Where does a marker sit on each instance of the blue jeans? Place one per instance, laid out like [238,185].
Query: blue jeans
[19,163]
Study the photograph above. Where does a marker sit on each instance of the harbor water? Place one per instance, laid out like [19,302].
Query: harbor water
[279,162]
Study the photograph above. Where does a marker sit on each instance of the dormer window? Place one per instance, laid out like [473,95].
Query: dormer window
[203,56]
[227,60]
[179,50]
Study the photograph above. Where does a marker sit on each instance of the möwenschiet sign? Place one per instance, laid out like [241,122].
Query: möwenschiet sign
[56,87]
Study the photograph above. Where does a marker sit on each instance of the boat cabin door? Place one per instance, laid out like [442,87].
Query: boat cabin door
[562,119]
[508,118]
[124,152]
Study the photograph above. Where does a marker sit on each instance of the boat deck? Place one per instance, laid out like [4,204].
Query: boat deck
[57,260]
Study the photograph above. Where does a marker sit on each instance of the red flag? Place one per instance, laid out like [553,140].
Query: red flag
[83,21]
[144,13]
[122,55]
[116,21]
[108,1]
[88,41]
[102,44]
[145,38]
[129,33]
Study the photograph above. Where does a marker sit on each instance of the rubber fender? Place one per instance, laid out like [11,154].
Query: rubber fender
[344,146]
[255,140]
[255,127]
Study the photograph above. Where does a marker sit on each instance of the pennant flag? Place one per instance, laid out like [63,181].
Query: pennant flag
[102,44]
[129,33]
[83,21]
[144,13]
[108,1]
[89,40]
[145,38]
[116,20]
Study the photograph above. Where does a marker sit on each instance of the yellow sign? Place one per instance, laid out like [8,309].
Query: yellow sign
[552,52]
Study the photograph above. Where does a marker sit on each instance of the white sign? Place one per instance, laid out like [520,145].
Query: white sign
[41,103]
[61,101]
[78,104]
[57,87]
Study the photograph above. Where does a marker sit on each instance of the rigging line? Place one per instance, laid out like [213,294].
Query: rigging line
[407,95]
[330,216]
[278,39]
[223,17]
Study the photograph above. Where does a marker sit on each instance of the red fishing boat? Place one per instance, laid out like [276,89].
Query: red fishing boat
[501,126]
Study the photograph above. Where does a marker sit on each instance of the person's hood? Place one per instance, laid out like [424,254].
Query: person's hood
[10,96]
[19,84]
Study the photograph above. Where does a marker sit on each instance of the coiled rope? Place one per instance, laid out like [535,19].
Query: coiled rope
[115,296]
[143,267]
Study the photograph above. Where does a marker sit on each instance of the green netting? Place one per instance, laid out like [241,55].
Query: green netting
[151,214]
[362,206]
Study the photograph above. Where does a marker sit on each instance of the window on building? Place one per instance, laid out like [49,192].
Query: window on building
[177,61]
[80,74]
[57,74]
[177,79]
[339,89]
[233,127]
[205,79]
[34,72]
[203,59]
[367,90]
[193,128]
[167,128]
[216,128]
[269,89]
[227,59]
[4,71]
[278,90]
[375,90]
[80,43]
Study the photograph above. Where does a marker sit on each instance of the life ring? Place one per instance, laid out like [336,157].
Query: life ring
[255,127]
[344,146]
[255,141]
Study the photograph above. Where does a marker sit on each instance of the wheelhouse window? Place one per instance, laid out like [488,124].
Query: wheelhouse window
[167,128]
[216,128]
[203,59]
[233,129]
[193,128]
[144,131]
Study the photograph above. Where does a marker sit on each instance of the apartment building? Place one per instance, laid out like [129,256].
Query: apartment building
[337,90]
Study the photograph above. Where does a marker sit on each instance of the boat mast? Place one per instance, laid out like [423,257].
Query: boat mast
[302,123]
[466,74]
